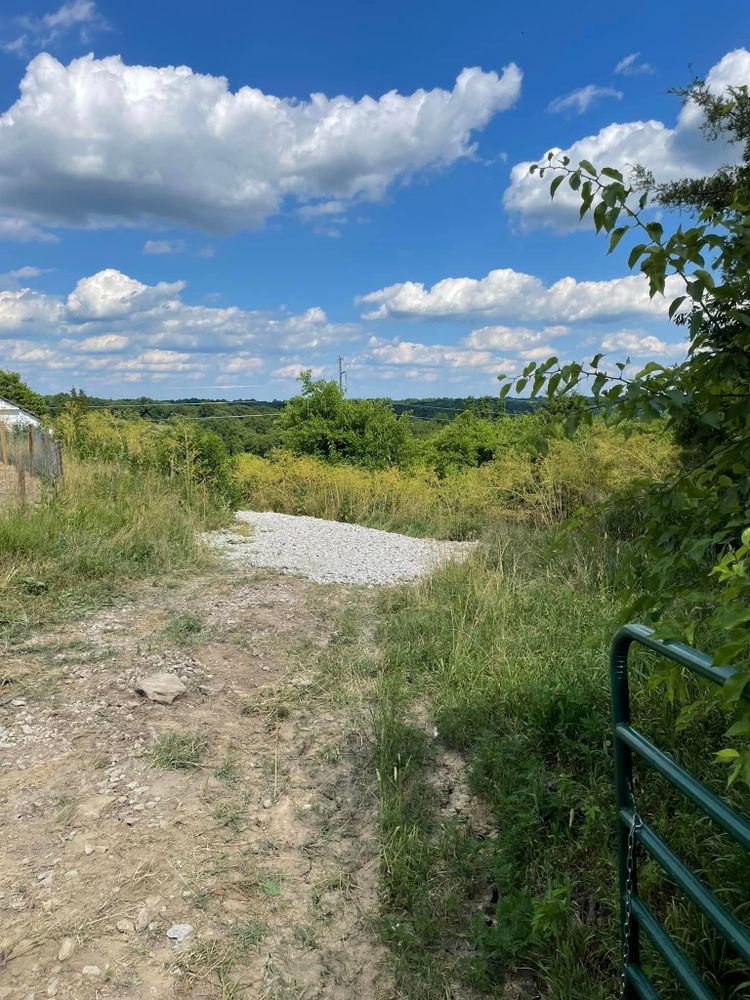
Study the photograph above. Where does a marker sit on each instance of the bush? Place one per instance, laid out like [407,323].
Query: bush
[517,484]
[322,423]
[194,459]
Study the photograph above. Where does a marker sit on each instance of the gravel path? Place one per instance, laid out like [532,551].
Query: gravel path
[330,551]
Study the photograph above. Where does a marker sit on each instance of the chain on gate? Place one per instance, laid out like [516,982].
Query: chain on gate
[635,824]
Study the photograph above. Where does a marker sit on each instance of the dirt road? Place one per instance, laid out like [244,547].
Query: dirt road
[239,819]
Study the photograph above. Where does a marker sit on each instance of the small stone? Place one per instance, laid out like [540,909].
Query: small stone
[73,873]
[125,926]
[141,919]
[179,932]
[162,688]
[53,986]
[88,848]
[67,947]
[18,702]
[91,970]
[267,803]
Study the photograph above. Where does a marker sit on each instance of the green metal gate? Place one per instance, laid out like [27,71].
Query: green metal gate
[635,915]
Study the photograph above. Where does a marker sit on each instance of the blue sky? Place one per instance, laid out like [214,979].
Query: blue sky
[167,232]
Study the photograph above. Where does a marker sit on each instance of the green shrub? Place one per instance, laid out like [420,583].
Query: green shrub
[322,423]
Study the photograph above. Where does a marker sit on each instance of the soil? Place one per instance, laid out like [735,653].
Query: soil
[263,840]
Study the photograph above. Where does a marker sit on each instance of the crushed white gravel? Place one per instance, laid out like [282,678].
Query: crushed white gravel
[331,551]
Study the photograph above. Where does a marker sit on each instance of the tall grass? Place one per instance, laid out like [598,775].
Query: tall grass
[506,657]
[105,526]
[517,484]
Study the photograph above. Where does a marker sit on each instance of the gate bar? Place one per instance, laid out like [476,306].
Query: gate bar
[711,804]
[669,951]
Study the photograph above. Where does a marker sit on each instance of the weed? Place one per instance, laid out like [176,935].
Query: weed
[231,816]
[183,629]
[249,933]
[228,772]
[305,936]
[181,751]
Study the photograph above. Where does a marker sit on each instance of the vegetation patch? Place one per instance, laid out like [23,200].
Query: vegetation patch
[181,751]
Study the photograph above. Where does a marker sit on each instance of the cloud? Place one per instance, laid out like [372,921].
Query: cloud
[100,143]
[642,345]
[512,295]
[107,343]
[22,231]
[293,370]
[579,101]
[671,153]
[79,18]
[112,328]
[404,352]
[629,66]
[164,246]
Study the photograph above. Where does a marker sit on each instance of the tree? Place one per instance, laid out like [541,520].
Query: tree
[321,422]
[468,440]
[16,391]
[691,564]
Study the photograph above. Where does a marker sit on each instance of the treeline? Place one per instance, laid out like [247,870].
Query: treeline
[251,426]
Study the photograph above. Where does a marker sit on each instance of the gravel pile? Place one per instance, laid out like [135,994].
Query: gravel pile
[332,552]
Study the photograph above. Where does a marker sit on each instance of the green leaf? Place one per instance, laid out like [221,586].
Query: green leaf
[585,165]
[726,756]
[676,303]
[635,254]
[611,172]
[599,213]
[616,236]
[555,185]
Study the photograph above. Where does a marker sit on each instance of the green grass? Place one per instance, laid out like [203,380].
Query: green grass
[85,543]
[506,657]
[180,751]
[184,629]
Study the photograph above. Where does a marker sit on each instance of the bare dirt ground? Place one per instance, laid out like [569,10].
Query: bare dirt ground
[255,824]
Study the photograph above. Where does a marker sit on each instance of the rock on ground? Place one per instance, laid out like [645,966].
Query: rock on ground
[162,688]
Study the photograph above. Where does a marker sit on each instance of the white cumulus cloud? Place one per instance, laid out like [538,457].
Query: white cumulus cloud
[670,152]
[99,142]
[642,345]
[112,328]
[513,295]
